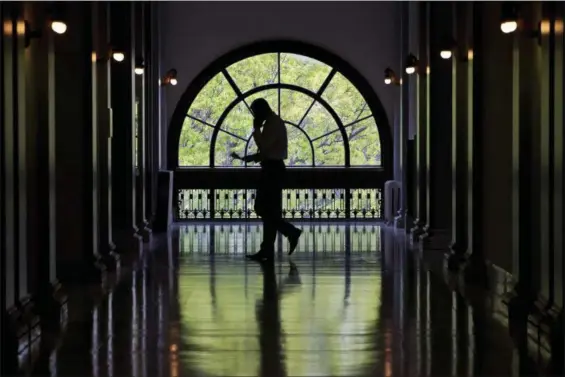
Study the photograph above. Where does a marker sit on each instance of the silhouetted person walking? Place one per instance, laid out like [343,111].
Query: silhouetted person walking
[269,133]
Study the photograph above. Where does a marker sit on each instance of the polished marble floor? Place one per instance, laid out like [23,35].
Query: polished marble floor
[352,301]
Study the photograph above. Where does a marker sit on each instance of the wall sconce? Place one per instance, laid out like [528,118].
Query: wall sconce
[390,77]
[113,53]
[411,64]
[509,17]
[117,55]
[447,48]
[58,26]
[139,66]
[30,34]
[58,21]
[170,78]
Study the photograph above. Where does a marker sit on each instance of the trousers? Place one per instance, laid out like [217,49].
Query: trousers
[268,204]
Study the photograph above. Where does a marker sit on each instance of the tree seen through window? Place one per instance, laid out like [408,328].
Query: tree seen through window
[318,104]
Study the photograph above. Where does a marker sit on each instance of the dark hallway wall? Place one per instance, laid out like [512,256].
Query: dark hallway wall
[507,226]
[57,128]
[194,34]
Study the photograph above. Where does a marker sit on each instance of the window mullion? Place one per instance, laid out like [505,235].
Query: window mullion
[279,79]
[236,89]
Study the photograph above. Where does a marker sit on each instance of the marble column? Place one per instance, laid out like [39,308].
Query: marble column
[10,294]
[151,122]
[152,107]
[460,95]
[548,153]
[75,150]
[402,221]
[474,269]
[557,32]
[104,137]
[551,150]
[422,123]
[141,124]
[525,226]
[438,159]
[126,232]
[41,224]
[528,205]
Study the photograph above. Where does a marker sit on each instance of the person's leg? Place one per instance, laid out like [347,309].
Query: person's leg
[288,230]
[271,214]
[291,232]
[264,204]
[269,236]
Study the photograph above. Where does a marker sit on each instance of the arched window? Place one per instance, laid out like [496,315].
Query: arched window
[329,122]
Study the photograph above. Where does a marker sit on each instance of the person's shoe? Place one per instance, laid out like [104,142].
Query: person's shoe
[260,256]
[294,241]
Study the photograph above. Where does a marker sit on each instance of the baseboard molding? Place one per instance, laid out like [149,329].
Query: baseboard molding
[21,341]
[128,243]
[85,281]
[436,239]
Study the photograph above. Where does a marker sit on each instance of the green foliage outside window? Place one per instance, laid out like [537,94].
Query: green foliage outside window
[295,108]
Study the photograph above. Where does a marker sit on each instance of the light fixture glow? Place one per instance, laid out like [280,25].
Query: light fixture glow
[118,56]
[170,78]
[139,66]
[508,27]
[445,54]
[411,64]
[470,54]
[390,77]
[509,17]
[59,27]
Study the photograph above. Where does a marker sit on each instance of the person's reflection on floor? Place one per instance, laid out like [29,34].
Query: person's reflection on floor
[268,318]
[291,282]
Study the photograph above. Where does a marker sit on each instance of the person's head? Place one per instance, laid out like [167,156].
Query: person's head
[261,109]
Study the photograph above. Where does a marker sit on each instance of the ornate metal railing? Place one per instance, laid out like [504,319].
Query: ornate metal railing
[232,204]
[311,194]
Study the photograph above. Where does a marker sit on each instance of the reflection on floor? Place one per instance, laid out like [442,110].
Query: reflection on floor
[351,302]
[241,238]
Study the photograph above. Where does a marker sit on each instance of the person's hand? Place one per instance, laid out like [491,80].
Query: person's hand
[257,123]
[235,156]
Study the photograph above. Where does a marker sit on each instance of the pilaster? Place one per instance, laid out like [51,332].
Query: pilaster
[76,192]
[124,216]
[101,31]
[438,156]
[402,221]
[474,270]
[9,185]
[47,293]
[141,124]
[422,123]
[459,105]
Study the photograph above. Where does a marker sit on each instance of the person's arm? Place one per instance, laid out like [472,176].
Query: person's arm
[256,157]
[259,141]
